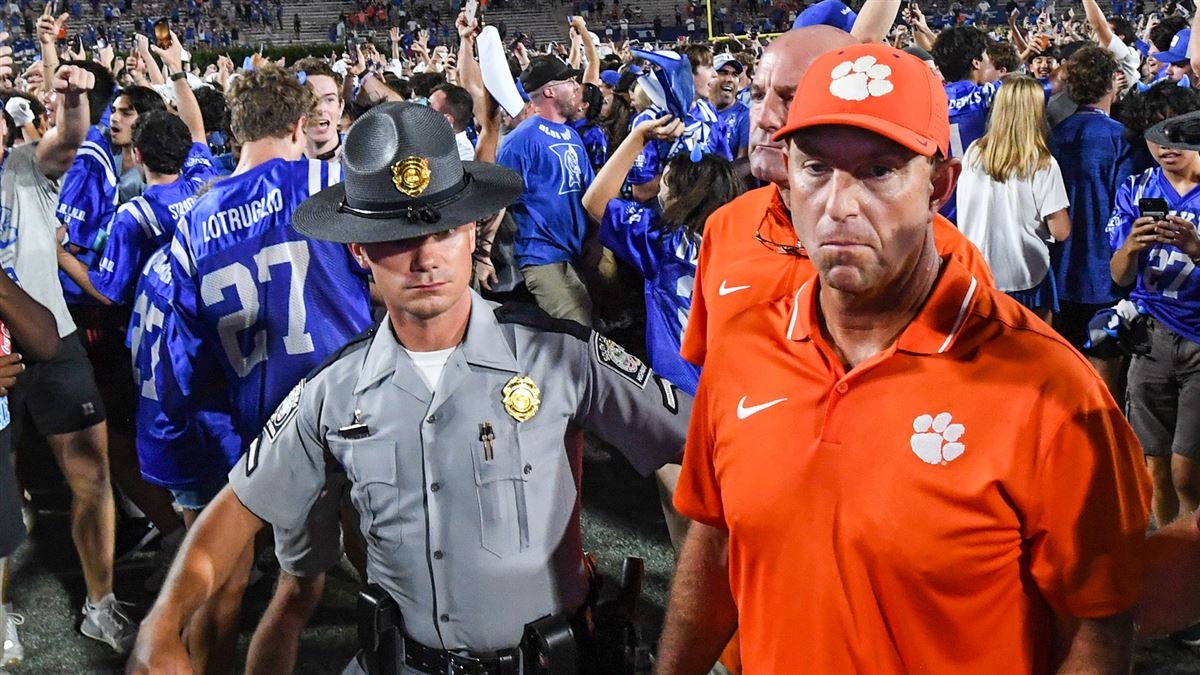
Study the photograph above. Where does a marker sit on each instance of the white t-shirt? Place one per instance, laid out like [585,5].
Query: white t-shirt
[1005,220]
[466,151]
[28,247]
[1129,60]
[430,365]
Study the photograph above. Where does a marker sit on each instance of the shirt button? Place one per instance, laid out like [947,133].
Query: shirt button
[434,487]
[445,618]
[432,418]
[528,469]
[438,555]
[843,388]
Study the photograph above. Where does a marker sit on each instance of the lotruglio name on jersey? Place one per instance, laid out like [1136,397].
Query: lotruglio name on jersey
[242,217]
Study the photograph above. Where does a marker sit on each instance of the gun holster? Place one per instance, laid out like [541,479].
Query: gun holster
[549,647]
[380,630]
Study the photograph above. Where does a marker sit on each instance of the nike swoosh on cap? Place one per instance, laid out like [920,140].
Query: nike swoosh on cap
[743,412]
[726,289]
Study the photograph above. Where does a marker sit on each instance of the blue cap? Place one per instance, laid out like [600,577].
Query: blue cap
[1178,50]
[827,13]
[610,77]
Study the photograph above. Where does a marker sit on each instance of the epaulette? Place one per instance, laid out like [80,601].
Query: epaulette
[364,336]
[532,316]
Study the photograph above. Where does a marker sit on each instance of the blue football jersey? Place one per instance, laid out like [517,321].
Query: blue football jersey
[594,141]
[1168,285]
[650,161]
[735,126]
[147,223]
[970,105]
[667,261]
[89,195]
[181,451]
[255,298]
[549,214]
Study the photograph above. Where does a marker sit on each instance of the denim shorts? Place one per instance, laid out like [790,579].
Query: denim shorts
[198,495]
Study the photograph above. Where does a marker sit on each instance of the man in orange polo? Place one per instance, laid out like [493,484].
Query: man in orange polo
[897,467]
[749,253]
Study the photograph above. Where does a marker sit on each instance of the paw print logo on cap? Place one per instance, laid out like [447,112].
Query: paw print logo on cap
[936,439]
[859,79]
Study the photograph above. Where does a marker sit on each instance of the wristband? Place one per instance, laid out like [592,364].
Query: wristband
[181,75]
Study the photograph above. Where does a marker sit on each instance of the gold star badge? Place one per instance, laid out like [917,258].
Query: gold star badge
[411,175]
[521,398]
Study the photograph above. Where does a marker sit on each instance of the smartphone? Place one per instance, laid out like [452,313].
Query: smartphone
[352,51]
[471,9]
[162,33]
[1153,207]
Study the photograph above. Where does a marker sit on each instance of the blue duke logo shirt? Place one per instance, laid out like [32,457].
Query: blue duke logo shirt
[549,214]
[253,297]
[1168,285]
[147,223]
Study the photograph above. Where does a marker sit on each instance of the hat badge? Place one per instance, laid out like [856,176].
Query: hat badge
[411,175]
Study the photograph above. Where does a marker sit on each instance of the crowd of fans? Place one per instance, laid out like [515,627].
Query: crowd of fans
[1073,204]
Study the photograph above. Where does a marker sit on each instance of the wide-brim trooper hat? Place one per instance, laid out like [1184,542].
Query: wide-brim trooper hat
[1181,132]
[403,179]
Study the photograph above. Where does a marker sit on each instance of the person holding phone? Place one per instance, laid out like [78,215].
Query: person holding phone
[1156,248]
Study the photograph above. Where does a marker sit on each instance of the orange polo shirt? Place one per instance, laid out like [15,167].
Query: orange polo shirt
[736,271]
[928,510]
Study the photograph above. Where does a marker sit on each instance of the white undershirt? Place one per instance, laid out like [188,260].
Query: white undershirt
[430,365]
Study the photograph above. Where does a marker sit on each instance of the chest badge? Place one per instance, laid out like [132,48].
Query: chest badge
[936,440]
[521,398]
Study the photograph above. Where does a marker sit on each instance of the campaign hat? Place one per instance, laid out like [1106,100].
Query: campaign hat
[403,179]
[1181,132]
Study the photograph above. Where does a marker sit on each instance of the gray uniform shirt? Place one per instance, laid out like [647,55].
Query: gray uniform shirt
[472,543]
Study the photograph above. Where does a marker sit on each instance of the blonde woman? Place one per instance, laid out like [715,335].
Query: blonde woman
[1011,198]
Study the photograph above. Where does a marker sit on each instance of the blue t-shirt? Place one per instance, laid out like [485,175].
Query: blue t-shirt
[1168,286]
[549,214]
[735,126]
[253,297]
[146,224]
[667,261]
[182,451]
[1095,159]
[594,141]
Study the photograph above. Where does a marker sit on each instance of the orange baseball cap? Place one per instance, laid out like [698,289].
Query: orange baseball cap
[874,87]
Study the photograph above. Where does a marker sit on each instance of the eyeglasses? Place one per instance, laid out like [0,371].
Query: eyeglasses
[796,249]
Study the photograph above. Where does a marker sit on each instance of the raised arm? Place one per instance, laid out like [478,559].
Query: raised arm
[48,28]
[1098,22]
[875,20]
[607,184]
[57,149]
[592,74]
[185,98]
[153,72]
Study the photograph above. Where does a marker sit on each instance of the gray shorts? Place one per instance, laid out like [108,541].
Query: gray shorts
[1164,394]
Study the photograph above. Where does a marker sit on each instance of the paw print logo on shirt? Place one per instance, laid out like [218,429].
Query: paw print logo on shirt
[856,80]
[936,439]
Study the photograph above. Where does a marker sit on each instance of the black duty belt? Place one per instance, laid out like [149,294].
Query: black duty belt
[441,662]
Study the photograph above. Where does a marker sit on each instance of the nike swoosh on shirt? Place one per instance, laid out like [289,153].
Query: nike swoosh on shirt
[726,289]
[743,412]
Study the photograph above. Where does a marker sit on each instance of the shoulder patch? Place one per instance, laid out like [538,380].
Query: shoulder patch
[614,357]
[533,316]
[285,412]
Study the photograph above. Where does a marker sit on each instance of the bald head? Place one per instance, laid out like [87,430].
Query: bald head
[783,63]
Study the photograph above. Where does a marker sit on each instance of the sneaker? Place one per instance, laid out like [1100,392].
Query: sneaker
[1189,636]
[133,536]
[13,651]
[107,622]
[163,559]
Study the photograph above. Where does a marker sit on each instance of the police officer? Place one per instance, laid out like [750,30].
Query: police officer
[455,424]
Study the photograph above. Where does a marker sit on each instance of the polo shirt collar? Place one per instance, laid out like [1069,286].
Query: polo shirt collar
[484,345]
[932,331]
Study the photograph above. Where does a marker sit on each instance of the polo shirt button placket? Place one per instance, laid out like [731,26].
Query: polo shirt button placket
[843,388]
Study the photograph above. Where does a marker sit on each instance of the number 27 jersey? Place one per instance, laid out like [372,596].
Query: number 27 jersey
[253,295]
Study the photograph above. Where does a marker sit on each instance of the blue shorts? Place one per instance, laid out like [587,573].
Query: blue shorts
[1041,296]
[198,495]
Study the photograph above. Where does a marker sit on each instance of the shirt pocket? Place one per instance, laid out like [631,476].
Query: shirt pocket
[526,490]
[375,492]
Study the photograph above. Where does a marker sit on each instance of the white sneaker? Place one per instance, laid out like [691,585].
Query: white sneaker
[13,651]
[107,622]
